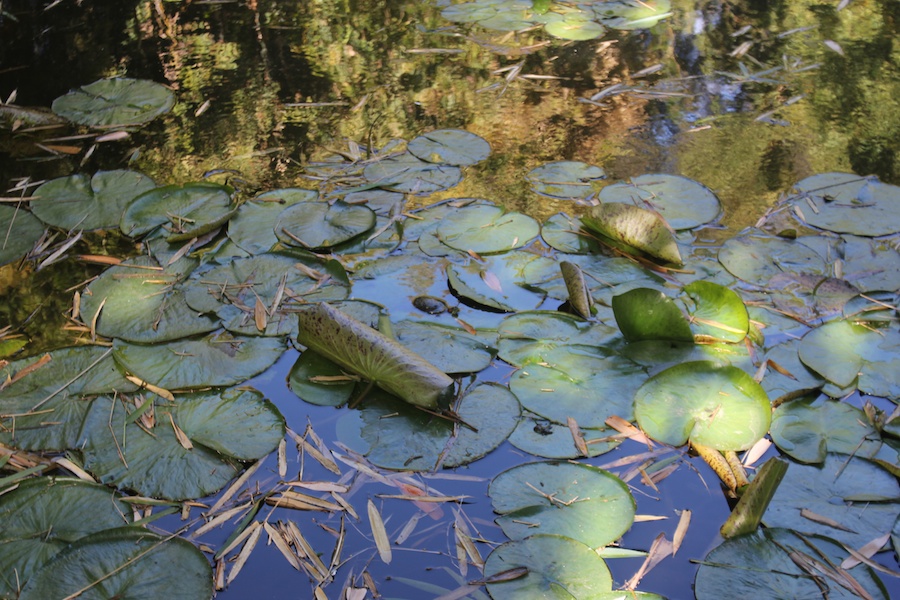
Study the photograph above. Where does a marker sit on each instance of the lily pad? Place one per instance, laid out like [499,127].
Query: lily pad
[648,314]
[788,374]
[871,265]
[486,229]
[253,227]
[115,102]
[858,495]
[544,438]
[19,230]
[455,147]
[317,380]
[219,359]
[635,227]
[533,336]
[450,349]
[579,501]
[808,429]
[848,354]
[126,562]
[406,173]
[562,232]
[575,29]
[493,282]
[760,565]
[565,179]
[42,516]
[314,225]
[628,15]
[847,203]
[718,312]
[184,211]
[682,202]
[716,406]
[756,257]
[89,203]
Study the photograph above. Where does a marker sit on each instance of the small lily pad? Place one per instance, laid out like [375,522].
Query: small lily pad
[683,202]
[565,179]
[253,227]
[808,429]
[184,211]
[575,29]
[455,147]
[544,438]
[115,102]
[314,225]
[627,15]
[486,229]
[19,230]
[716,406]
[635,227]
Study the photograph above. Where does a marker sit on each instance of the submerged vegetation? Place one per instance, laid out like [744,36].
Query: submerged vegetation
[456,295]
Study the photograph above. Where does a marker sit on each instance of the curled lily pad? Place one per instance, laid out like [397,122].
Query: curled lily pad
[648,314]
[19,230]
[124,562]
[683,202]
[808,430]
[756,257]
[635,227]
[718,312]
[565,179]
[88,203]
[406,173]
[450,147]
[116,101]
[315,225]
[579,501]
[184,211]
[716,406]
[253,227]
[486,229]
[846,203]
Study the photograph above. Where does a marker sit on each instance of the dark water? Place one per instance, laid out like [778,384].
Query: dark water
[264,87]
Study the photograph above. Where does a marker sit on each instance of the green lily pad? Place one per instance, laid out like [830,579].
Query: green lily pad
[635,227]
[683,202]
[219,359]
[848,354]
[494,282]
[544,438]
[719,407]
[575,29]
[562,232]
[138,302]
[406,173]
[450,349]
[89,203]
[808,429]
[533,336]
[760,565]
[19,230]
[58,394]
[756,258]
[629,15]
[718,312]
[455,147]
[579,501]
[115,102]
[847,203]
[486,229]
[126,562]
[565,179]
[315,225]
[382,202]
[317,380]
[555,567]
[859,495]
[648,314]
[796,375]
[184,211]
[42,516]
[253,227]
[572,382]
[871,265]
[657,355]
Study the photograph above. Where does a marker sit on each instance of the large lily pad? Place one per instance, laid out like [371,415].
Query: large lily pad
[455,147]
[544,438]
[486,229]
[716,406]
[565,179]
[450,349]
[760,565]
[847,203]
[808,430]
[579,501]
[127,562]
[115,102]
[683,202]
[315,225]
[88,203]
[532,336]
[494,282]
[648,314]
[42,516]
[756,257]
[636,227]
[406,173]
[184,211]
[253,227]
[19,230]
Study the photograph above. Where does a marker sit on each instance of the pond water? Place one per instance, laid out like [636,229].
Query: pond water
[745,97]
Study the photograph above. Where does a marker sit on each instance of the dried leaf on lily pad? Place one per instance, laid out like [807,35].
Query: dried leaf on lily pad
[366,352]
[637,228]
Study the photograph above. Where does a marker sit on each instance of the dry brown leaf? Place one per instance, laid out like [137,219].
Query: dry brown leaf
[277,538]
[252,538]
[162,393]
[623,426]
[260,316]
[180,435]
[684,521]
[867,551]
[577,436]
[382,543]
[823,520]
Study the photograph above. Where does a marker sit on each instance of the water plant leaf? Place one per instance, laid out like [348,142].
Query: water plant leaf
[494,282]
[115,101]
[682,202]
[455,147]
[579,501]
[565,179]
[544,438]
[636,227]
[19,230]
[317,380]
[648,314]
[760,565]
[491,409]
[314,225]
[253,227]
[871,265]
[847,203]
[757,257]
[808,429]
[748,512]
[716,406]
[185,211]
[628,15]
[582,574]
[788,374]
[124,562]
[450,349]
[562,232]
[575,29]
[89,203]
[42,516]
[847,354]
[853,492]
[218,359]
[532,336]
[718,312]
[486,229]
[406,173]
[364,351]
